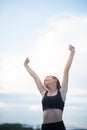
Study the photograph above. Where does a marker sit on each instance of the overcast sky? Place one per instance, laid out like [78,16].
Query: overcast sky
[42,31]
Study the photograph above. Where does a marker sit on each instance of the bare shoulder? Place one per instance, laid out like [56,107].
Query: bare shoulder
[43,92]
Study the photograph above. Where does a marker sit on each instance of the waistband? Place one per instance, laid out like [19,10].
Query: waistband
[53,123]
[53,126]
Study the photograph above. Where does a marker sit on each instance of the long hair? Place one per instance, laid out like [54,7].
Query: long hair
[57,82]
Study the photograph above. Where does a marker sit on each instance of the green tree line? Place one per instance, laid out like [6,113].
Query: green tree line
[15,127]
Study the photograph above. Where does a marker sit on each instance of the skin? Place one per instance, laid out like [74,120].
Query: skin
[52,115]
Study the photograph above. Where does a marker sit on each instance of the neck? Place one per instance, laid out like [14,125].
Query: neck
[52,92]
[53,89]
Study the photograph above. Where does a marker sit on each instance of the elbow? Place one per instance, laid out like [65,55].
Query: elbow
[25,65]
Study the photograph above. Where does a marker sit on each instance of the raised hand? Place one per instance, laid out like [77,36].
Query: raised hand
[26,61]
[72,48]
[64,87]
[35,76]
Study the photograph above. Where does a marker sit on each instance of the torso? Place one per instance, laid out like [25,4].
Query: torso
[52,115]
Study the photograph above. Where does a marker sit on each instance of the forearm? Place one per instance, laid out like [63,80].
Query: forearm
[35,76]
[30,71]
[69,62]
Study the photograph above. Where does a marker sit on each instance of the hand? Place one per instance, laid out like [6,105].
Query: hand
[71,48]
[26,61]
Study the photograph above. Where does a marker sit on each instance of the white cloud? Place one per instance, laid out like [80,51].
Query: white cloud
[49,53]
[2,105]
[6,106]
[35,107]
[51,50]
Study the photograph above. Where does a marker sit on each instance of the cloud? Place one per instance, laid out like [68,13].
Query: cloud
[52,42]
[48,54]
[2,105]
[35,107]
[51,50]
[13,106]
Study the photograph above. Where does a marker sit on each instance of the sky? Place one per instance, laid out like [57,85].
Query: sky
[42,30]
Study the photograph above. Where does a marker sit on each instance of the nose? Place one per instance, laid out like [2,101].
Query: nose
[46,79]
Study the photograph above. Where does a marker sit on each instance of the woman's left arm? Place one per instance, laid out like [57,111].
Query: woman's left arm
[64,87]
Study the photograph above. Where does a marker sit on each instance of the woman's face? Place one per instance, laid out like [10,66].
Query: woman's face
[49,80]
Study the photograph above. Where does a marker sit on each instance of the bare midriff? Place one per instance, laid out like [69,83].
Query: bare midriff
[52,115]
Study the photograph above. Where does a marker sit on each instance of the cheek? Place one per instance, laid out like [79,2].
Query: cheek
[47,87]
[44,82]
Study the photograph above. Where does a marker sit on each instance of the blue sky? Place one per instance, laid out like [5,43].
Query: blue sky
[41,30]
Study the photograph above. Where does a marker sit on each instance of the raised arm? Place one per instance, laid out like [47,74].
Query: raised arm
[64,87]
[35,76]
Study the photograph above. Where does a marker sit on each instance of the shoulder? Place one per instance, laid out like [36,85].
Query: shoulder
[44,93]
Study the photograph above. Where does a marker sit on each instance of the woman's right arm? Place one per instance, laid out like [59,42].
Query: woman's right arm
[37,80]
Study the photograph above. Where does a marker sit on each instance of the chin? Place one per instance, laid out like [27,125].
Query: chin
[47,86]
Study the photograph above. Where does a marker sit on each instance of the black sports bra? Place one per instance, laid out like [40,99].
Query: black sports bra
[51,102]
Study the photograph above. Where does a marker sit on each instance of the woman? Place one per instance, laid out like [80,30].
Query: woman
[53,95]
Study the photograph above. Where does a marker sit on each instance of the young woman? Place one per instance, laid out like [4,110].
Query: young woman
[53,95]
